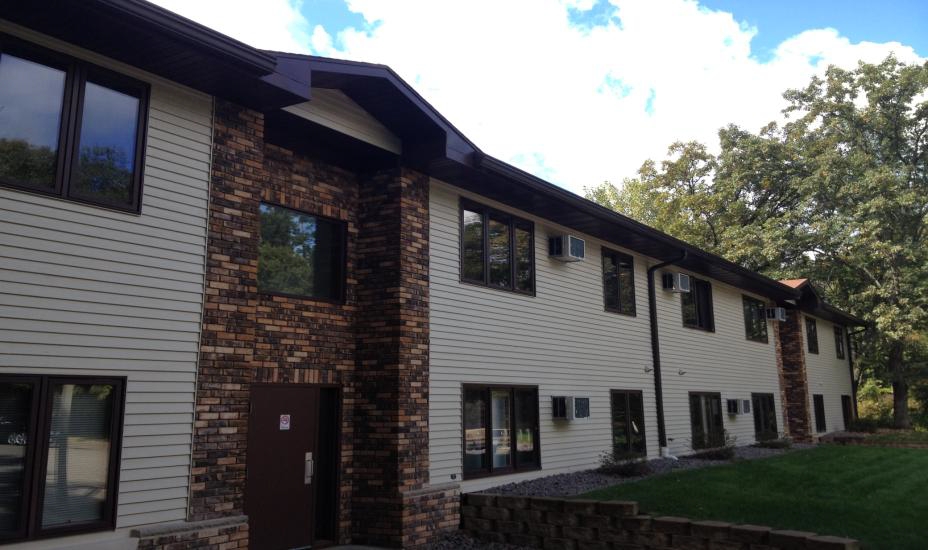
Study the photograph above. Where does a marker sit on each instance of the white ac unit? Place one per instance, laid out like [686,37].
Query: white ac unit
[566,248]
[676,282]
[570,408]
[776,314]
[733,406]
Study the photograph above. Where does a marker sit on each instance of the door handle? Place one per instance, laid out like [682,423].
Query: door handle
[308,469]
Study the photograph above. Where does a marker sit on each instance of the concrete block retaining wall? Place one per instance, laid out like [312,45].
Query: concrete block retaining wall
[572,524]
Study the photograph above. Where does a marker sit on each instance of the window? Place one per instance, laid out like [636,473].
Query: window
[497,249]
[818,402]
[706,420]
[839,341]
[500,430]
[628,423]
[301,254]
[60,440]
[70,129]
[765,416]
[755,319]
[618,282]
[697,305]
[847,411]
[811,335]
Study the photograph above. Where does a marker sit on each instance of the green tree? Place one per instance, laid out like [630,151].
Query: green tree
[838,193]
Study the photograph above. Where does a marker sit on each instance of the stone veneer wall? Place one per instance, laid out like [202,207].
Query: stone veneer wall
[374,346]
[793,376]
[217,534]
[571,524]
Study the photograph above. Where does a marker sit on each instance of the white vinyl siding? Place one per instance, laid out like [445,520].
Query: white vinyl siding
[723,361]
[333,109]
[828,376]
[561,340]
[90,291]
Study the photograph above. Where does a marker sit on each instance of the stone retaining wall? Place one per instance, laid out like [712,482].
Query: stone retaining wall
[229,533]
[562,524]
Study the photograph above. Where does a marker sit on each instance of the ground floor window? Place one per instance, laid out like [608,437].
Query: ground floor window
[500,429]
[706,420]
[59,451]
[765,416]
[628,423]
[847,410]
[818,402]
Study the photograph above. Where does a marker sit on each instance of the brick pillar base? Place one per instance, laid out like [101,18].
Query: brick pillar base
[793,378]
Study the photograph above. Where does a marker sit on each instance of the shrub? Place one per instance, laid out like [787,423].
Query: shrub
[624,464]
[868,425]
[723,448]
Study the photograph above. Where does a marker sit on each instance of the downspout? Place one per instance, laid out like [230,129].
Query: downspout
[850,365]
[656,353]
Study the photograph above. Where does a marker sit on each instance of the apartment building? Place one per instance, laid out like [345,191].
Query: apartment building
[267,299]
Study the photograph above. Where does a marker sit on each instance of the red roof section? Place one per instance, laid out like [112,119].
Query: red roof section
[794,283]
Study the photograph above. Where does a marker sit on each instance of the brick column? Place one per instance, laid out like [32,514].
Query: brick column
[227,341]
[794,385]
[393,504]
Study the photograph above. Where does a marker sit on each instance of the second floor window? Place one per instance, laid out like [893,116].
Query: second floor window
[839,341]
[811,335]
[497,249]
[300,254]
[697,306]
[618,282]
[69,128]
[755,319]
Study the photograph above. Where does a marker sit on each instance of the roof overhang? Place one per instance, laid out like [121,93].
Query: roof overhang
[151,38]
[812,302]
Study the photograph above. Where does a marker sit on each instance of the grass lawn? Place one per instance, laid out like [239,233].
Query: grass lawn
[877,495]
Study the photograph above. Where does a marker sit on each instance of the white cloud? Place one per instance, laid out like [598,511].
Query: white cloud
[576,105]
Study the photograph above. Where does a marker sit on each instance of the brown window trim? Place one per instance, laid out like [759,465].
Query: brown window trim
[626,393]
[37,457]
[487,211]
[710,394]
[811,327]
[629,309]
[514,469]
[341,292]
[711,312]
[821,420]
[77,73]
[747,322]
[840,352]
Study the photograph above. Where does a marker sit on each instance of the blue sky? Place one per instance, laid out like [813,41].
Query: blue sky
[582,91]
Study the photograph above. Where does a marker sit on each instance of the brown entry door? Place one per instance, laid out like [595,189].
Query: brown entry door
[279,493]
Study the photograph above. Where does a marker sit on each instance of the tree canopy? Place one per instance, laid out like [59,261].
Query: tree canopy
[838,193]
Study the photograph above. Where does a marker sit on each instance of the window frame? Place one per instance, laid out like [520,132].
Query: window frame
[694,284]
[490,471]
[485,213]
[820,427]
[630,310]
[341,294]
[77,72]
[626,394]
[708,394]
[840,352]
[36,466]
[761,307]
[758,412]
[811,335]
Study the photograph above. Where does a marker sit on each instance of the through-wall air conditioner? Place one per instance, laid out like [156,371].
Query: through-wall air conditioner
[570,408]
[733,406]
[559,407]
[566,248]
[676,282]
[776,314]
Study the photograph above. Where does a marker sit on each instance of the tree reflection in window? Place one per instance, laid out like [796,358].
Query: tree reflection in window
[300,254]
